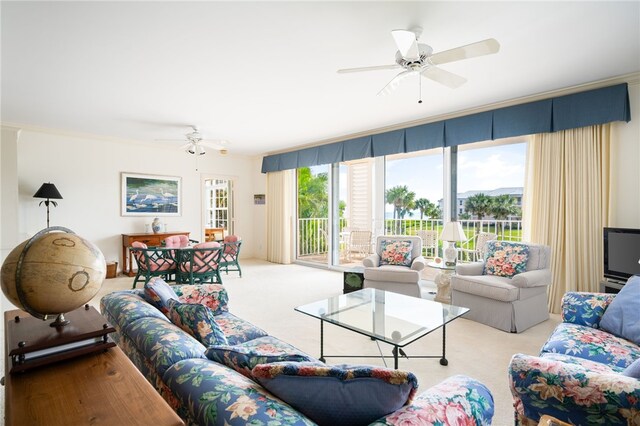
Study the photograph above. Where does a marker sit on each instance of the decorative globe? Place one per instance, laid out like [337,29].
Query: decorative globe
[53,273]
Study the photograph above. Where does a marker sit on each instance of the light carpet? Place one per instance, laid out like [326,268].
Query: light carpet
[267,294]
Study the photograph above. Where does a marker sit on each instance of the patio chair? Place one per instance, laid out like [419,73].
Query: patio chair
[199,264]
[153,262]
[479,241]
[429,242]
[360,243]
[230,254]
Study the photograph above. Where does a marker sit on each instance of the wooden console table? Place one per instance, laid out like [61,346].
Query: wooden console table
[102,388]
[152,240]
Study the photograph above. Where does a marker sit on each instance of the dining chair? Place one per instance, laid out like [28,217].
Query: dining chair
[176,241]
[230,254]
[199,264]
[153,262]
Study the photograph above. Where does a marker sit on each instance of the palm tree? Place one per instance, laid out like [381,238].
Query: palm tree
[478,205]
[403,202]
[424,206]
[502,207]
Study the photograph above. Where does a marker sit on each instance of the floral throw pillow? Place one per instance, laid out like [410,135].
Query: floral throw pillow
[395,252]
[356,394]
[198,321]
[263,350]
[505,259]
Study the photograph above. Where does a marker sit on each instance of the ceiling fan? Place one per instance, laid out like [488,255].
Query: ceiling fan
[418,59]
[195,143]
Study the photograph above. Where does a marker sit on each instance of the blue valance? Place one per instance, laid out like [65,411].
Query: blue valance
[582,109]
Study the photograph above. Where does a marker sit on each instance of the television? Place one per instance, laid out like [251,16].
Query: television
[621,253]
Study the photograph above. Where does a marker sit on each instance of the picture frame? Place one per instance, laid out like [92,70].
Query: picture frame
[150,195]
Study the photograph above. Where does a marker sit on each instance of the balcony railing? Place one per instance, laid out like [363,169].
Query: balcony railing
[313,233]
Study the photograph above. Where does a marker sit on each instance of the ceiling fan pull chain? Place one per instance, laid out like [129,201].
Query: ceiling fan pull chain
[419,88]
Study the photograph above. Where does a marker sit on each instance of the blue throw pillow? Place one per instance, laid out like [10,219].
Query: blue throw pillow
[338,394]
[622,317]
[633,370]
[263,350]
[198,321]
[158,293]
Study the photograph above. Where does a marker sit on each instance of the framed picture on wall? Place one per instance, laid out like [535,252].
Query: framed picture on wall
[258,199]
[150,195]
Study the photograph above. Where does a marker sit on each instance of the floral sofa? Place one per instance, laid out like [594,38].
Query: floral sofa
[581,376]
[205,392]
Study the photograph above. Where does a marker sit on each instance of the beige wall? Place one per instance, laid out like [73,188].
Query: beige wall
[87,173]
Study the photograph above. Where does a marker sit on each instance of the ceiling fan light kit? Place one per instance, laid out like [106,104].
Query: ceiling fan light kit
[196,143]
[418,59]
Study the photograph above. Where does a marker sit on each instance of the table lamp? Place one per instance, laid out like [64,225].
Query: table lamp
[451,233]
[50,192]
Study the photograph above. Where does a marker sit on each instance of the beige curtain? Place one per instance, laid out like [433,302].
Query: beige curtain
[567,199]
[280,209]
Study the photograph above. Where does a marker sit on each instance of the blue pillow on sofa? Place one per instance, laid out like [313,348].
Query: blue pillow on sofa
[621,317]
[633,370]
[158,293]
[338,394]
[198,321]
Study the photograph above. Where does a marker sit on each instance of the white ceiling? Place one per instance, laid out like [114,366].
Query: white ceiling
[263,74]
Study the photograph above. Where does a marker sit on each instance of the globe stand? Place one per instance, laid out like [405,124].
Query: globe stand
[60,321]
[32,343]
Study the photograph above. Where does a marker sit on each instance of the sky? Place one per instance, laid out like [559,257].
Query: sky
[478,169]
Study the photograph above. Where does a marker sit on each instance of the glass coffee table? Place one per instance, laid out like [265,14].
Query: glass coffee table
[388,317]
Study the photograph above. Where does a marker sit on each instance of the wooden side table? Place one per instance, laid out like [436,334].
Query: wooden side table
[103,388]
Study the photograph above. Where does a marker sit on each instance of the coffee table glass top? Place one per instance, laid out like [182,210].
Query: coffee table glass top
[391,317]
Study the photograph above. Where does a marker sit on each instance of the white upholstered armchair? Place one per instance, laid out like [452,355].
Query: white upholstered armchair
[397,278]
[511,304]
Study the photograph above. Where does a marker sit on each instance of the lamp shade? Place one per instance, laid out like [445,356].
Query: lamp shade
[48,190]
[453,231]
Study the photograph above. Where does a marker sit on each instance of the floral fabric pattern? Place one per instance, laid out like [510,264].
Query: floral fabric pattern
[572,393]
[395,252]
[213,296]
[591,343]
[162,342]
[238,330]
[505,259]
[220,396]
[458,400]
[263,350]
[198,321]
[585,308]
[157,292]
[126,306]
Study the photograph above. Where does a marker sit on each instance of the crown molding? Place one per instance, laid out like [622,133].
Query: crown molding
[631,79]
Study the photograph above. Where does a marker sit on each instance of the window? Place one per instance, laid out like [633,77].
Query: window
[218,212]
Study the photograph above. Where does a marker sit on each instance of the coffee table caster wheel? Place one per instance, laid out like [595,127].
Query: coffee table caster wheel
[443,361]
[322,359]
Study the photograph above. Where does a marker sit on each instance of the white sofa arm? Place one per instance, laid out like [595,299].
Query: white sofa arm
[474,268]
[535,278]
[372,261]
[418,263]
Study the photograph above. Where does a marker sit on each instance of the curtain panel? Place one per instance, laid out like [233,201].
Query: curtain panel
[568,197]
[280,207]
[577,110]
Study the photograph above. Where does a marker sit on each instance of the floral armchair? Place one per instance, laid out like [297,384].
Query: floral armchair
[578,378]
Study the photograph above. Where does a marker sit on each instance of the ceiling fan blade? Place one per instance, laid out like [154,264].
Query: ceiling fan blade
[219,144]
[441,76]
[485,47]
[407,43]
[394,83]
[373,68]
